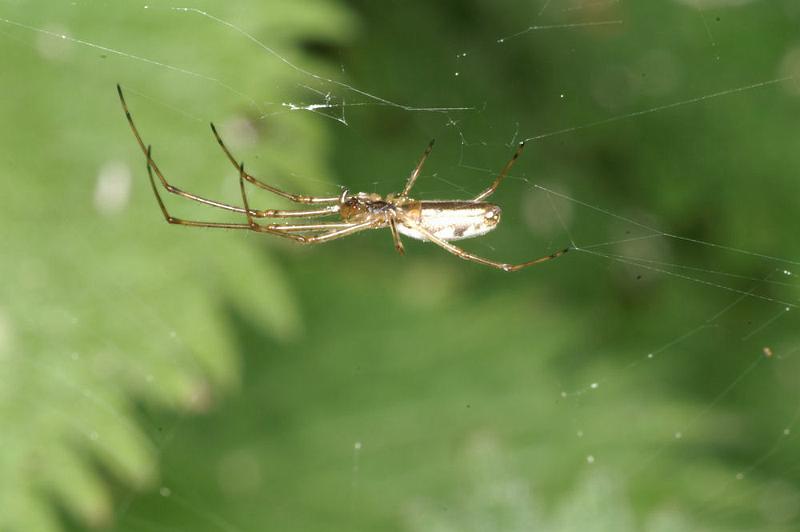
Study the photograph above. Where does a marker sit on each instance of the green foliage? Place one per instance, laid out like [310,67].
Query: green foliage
[495,498]
[422,392]
[106,309]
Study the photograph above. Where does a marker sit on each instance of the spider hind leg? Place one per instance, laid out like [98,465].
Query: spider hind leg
[463,254]
[415,173]
[398,244]
[501,176]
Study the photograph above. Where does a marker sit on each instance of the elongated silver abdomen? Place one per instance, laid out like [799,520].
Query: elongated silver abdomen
[449,220]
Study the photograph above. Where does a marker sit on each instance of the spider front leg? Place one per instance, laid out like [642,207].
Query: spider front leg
[327,210]
[297,198]
[178,221]
[261,213]
[338,230]
[274,230]
[457,251]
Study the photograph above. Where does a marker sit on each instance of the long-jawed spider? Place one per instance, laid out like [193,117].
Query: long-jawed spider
[437,221]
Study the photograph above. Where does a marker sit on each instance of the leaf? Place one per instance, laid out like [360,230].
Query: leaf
[104,306]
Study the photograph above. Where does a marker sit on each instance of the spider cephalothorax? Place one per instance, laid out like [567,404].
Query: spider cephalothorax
[438,221]
[363,206]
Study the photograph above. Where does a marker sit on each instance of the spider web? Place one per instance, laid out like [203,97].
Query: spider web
[743,292]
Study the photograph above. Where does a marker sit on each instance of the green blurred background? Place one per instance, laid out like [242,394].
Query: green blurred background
[163,378]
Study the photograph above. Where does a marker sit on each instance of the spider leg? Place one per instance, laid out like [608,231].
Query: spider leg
[415,173]
[330,235]
[286,230]
[502,175]
[311,227]
[297,198]
[265,213]
[257,213]
[273,229]
[457,251]
[178,221]
[398,244]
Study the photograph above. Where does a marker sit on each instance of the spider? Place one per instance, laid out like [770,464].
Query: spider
[437,221]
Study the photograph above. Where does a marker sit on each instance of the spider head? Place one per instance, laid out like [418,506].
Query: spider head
[349,208]
[357,207]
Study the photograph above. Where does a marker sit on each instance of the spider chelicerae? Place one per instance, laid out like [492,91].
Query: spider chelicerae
[437,221]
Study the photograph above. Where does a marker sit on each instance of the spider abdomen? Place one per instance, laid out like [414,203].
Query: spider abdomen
[449,220]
